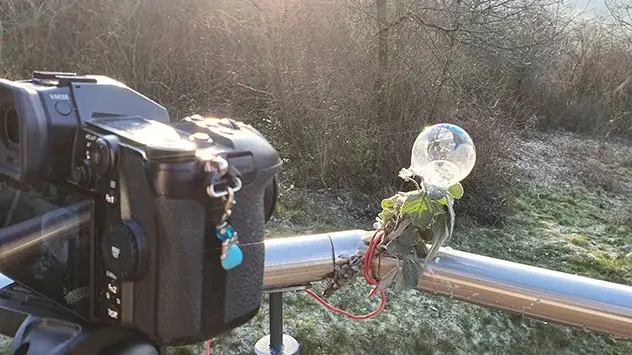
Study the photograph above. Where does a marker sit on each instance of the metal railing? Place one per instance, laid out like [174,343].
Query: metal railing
[572,300]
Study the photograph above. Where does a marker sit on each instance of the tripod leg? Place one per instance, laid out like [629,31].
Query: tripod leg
[38,336]
[133,347]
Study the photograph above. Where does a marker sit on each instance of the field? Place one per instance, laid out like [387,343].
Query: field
[570,213]
[342,89]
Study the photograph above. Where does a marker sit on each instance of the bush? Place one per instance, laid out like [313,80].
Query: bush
[487,189]
[341,97]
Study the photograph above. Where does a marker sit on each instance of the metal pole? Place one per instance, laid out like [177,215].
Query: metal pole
[276,321]
[276,343]
[573,300]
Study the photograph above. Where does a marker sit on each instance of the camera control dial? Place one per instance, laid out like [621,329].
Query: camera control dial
[103,154]
[82,175]
[125,251]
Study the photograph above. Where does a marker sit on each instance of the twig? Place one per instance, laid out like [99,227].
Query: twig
[253,89]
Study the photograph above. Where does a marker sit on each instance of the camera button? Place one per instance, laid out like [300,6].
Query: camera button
[63,108]
[200,136]
[112,313]
[226,131]
[228,123]
[224,122]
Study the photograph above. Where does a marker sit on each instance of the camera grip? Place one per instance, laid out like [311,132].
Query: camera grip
[245,282]
[187,296]
[168,301]
[195,295]
[180,232]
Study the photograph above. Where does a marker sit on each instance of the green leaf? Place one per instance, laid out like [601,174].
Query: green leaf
[390,208]
[437,208]
[410,236]
[399,283]
[387,280]
[421,250]
[436,231]
[386,215]
[427,235]
[440,227]
[411,270]
[398,249]
[389,203]
[413,203]
[456,191]
[415,207]
[401,198]
[423,220]
[441,234]
[399,230]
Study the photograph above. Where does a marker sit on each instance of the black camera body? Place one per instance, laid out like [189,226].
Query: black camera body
[146,204]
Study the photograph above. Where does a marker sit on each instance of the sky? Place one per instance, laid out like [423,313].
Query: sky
[594,6]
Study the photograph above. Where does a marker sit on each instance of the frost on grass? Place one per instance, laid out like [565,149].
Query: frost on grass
[5,345]
[560,223]
[414,323]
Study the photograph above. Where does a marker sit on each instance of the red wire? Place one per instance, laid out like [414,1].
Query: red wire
[376,239]
[370,252]
[345,313]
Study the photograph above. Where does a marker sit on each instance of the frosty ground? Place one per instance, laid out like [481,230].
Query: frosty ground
[572,212]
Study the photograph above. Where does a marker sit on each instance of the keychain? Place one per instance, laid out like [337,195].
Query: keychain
[232,256]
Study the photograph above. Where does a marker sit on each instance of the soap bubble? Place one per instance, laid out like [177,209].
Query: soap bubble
[443,155]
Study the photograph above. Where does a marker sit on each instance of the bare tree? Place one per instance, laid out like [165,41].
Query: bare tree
[621,11]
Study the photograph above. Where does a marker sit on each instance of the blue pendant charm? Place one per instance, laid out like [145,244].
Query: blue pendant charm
[233,257]
[225,232]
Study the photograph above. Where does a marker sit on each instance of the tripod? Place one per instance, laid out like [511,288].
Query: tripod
[40,328]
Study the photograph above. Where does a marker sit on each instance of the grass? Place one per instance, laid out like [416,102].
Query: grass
[568,230]
[563,229]
[320,212]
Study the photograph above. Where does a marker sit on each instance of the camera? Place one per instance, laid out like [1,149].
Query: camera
[119,216]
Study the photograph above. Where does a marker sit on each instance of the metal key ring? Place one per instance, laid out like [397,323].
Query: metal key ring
[230,199]
[238,184]
[210,190]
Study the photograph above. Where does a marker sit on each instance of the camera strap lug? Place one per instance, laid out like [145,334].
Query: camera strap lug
[217,170]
